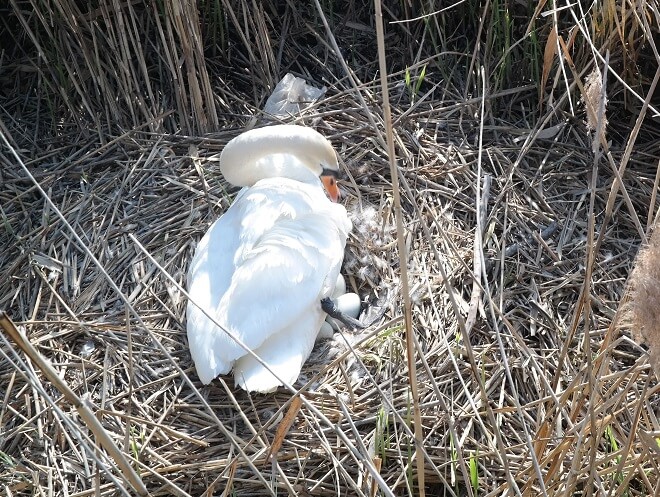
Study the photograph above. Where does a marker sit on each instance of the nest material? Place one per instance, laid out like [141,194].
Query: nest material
[519,338]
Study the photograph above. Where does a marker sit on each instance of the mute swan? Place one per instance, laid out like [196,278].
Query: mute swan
[263,267]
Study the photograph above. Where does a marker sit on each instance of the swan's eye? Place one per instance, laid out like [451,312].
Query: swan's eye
[331,173]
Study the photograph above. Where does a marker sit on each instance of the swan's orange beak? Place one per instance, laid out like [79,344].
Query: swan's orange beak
[330,184]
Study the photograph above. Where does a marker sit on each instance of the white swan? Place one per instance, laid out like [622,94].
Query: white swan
[265,264]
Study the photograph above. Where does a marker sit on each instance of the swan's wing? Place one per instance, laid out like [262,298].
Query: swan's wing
[209,277]
[284,352]
[260,268]
[281,279]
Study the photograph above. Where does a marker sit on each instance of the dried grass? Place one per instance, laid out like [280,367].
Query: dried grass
[526,386]
[645,300]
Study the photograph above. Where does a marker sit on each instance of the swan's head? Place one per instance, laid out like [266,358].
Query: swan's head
[317,153]
[241,164]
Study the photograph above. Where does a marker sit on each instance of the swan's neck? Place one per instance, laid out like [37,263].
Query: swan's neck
[276,166]
[276,151]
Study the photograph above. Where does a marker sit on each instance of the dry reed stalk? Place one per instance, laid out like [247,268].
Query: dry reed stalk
[403,255]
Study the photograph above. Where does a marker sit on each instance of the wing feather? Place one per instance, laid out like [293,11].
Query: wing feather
[284,352]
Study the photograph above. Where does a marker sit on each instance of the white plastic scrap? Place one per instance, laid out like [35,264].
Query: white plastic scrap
[291,95]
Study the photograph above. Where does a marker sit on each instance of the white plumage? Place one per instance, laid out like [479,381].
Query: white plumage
[263,267]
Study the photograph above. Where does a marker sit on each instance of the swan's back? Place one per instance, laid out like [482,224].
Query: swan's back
[261,271]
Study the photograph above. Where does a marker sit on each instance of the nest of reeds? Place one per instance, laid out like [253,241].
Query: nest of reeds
[521,224]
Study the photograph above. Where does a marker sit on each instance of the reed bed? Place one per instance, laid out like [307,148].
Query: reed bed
[523,213]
